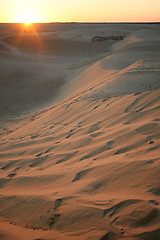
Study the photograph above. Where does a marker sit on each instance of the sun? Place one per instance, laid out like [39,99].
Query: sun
[27,18]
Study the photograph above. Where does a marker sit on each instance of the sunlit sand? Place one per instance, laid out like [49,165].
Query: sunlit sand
[80,131]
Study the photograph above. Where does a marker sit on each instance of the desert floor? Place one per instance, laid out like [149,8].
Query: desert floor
[80,132]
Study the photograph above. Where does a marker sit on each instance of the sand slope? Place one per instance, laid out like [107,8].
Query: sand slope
[35,65]
[88,167]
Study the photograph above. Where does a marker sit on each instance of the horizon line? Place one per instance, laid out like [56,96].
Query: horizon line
[92,22]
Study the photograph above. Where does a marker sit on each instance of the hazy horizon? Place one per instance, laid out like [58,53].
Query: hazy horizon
[91,22]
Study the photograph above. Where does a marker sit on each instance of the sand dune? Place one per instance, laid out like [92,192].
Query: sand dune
[86,167]
[41,66]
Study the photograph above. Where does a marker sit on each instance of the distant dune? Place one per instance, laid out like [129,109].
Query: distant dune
[80,132]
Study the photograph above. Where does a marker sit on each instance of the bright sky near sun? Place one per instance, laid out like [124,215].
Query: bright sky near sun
[79,10]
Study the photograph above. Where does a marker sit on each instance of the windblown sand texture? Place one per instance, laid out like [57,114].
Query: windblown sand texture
[80,132]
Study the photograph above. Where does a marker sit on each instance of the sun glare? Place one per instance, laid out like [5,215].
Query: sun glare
[27,18]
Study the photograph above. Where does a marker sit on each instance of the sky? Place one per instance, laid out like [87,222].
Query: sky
[79,11]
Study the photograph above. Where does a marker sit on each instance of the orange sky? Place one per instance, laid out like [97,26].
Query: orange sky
[79,10]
